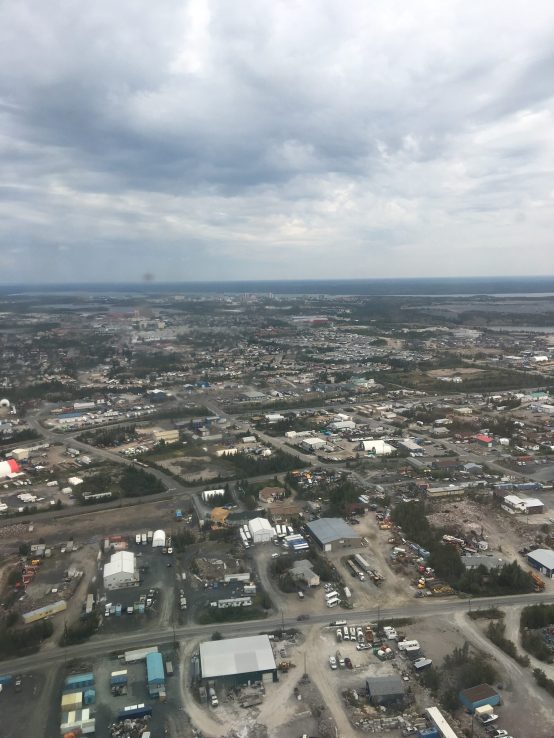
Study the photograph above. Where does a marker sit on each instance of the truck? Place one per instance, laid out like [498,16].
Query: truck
[538,583]
[340,659]
[149,536]
[137,539]
[355,569]
[183,603]
[143,539]
[214,702]
[178,515]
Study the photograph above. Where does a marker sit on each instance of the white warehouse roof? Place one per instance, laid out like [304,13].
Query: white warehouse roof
[543,557]
[259,524]
[120,562]
[236,656]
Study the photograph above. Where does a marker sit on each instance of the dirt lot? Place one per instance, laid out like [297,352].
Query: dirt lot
[281,712]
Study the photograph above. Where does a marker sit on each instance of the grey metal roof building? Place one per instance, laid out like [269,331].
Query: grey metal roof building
[331,533]
[385,690]
[238,660]
[542,559]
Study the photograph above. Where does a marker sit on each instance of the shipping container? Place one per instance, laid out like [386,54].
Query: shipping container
[134,711]
[79,681]
[118,677]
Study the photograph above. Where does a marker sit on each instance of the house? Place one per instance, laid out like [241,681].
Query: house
[302,569]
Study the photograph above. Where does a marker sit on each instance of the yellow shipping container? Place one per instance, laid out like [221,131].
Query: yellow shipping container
[72,701]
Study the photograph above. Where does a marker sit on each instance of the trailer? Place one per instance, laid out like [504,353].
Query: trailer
[134,711]
[362,563]
[357,572]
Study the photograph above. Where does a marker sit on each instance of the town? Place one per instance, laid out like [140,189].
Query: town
[276,515]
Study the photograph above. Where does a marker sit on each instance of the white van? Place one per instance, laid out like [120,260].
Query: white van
[333,603]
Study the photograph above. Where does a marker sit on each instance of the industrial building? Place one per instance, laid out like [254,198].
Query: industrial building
[155,675]
[238,661]
[524,505]
[121,571]
[376,447]
[312,444]
[261,530]
[478,696]
[333,533]
[386,690]
[542,559]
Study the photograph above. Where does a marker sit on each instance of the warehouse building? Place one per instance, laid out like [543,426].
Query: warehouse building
[261,530]
[542,559]
[479,696]
[386,690]
[121,571]
[238,661]
[333,533]
[155,675]
[376,447]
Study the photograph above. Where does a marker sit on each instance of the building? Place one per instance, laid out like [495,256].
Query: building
[484,440]
[302,569]
[386,690]
[473,561]
[155,675]
[238,661]
[313,444]
[478,696]
[376,447]
[158,539]
[333,533]
[167,436]
[261,530]
[524,505]
[44,612]
[121,571]
[542,559]
[341,425]
[411,446]
[212,494]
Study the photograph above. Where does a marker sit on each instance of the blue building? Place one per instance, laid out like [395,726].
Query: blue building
[155,675]
[478,696]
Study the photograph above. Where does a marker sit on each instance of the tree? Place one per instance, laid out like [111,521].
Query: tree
[446,562]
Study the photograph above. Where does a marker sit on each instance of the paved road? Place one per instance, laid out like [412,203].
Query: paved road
[104,645]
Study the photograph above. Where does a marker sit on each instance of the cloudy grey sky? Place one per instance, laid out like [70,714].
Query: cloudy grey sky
[225,139]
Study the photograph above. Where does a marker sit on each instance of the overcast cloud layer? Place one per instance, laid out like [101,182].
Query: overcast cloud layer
[268,139]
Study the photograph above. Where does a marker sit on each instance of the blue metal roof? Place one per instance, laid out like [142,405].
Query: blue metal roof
[155,668]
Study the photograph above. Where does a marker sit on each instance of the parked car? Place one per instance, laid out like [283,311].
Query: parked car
[332,662]
[487,719]
[362,646]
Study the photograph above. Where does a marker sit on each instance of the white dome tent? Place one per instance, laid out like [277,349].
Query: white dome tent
[158,539]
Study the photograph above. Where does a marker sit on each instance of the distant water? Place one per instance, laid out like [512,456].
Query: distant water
[531,286]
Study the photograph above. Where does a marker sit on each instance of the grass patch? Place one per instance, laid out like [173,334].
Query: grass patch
[490,613]
[230,615]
